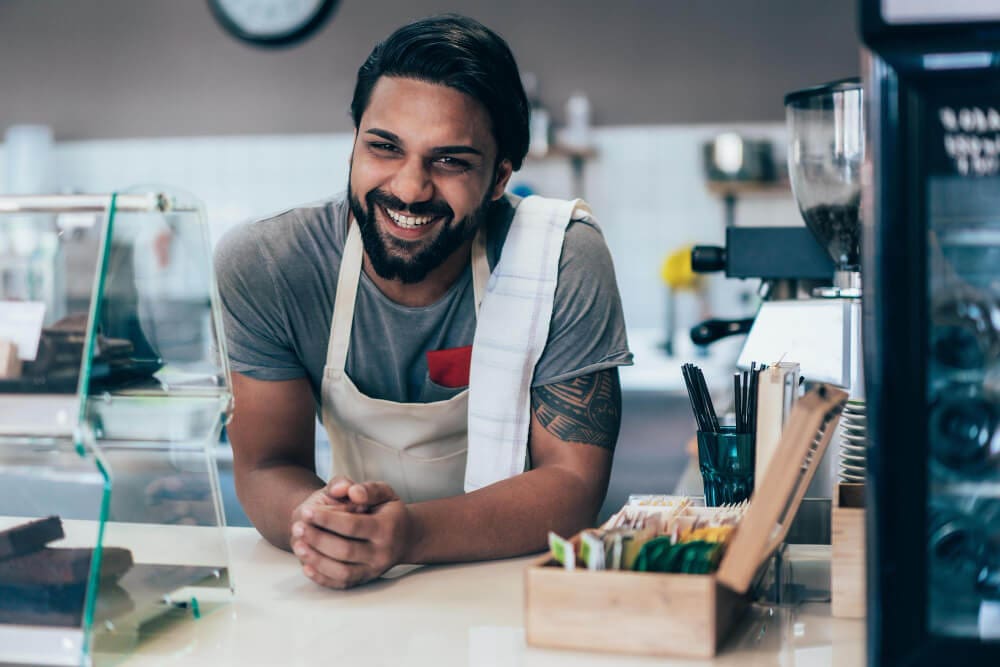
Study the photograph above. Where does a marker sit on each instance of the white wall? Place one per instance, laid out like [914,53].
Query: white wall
[645,186]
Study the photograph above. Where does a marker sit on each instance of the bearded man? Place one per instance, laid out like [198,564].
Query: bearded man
[460,345]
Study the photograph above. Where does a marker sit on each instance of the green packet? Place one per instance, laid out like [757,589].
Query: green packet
[695,557]
[592,551]
[562,550]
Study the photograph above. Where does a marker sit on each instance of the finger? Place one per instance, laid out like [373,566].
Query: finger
[346,524]
[337,486]
[328,572]
[371,493]
[340,548]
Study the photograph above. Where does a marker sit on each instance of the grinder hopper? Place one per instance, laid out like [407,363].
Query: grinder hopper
[825,155]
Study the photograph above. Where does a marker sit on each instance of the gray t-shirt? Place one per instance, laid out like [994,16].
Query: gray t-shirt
[278,277]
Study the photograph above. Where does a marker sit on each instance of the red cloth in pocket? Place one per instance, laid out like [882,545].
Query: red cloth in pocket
[450,368]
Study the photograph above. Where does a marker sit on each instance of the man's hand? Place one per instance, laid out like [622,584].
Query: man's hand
[335,494]
[347,534]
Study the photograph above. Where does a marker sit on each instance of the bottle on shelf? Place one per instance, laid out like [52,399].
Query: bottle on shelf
[540,127]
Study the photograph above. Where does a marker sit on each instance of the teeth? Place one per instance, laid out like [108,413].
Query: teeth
[408,221]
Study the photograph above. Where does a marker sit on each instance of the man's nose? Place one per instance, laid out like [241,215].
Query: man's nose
[412,183]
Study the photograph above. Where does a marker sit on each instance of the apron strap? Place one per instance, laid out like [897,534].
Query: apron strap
[347,290]
[480,267]
[343,305]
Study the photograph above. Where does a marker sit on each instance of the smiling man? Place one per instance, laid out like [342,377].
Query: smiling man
[451,441]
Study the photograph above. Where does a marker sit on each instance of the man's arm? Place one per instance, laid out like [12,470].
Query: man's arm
[574,427]
[272,433]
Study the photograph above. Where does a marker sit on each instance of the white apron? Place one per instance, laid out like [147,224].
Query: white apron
[420,449]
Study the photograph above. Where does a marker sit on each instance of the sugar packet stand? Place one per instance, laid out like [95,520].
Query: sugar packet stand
[686,615]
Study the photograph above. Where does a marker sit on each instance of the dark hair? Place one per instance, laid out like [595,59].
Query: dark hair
[460,53]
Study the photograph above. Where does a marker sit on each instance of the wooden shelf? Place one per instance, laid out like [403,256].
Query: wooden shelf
[559,151]
[741,188]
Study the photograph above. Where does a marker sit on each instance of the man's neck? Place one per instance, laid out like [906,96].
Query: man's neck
[431,288]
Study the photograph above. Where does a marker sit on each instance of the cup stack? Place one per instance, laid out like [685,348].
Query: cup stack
[853,442]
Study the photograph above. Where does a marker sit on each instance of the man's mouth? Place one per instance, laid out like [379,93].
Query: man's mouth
[408,221]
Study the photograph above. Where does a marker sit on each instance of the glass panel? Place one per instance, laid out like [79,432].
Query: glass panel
[49,269]
[963,207]
[158,409]
[136,482]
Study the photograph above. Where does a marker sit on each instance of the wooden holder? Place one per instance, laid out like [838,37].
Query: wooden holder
[847,565]
[652,613]
[10,363]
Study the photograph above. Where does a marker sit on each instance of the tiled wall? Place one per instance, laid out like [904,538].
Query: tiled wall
[645,186]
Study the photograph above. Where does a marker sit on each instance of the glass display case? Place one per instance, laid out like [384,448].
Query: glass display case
[114,389]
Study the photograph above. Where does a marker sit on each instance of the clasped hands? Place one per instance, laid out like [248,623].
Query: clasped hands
[349,533]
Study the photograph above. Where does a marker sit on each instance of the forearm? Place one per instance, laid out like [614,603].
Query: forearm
[270,494]
[509,518]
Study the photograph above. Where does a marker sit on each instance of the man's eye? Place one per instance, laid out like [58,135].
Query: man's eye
[453,164]
[383,147]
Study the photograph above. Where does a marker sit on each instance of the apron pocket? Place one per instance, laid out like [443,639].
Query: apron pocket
[381,463]
[432,392]
[436,469]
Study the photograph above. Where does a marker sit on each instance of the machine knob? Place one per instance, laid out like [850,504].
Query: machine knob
[710,331]
[708,258]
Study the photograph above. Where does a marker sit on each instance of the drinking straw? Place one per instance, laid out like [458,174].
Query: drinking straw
[713,419]
[692,395]
[736,399]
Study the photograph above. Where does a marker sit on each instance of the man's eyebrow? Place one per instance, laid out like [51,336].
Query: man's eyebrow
[385,134]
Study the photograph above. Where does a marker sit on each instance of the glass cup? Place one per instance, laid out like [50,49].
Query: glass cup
[726,461]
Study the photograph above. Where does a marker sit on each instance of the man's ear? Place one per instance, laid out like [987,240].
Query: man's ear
[503,173]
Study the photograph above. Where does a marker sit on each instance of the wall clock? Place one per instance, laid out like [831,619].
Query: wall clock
[272,23]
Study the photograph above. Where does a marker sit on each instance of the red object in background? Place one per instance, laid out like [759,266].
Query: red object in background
[450,368]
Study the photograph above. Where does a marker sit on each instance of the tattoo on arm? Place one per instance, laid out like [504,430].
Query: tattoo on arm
[586,409]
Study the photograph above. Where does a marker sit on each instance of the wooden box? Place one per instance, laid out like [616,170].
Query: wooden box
[847,562]
[683,614]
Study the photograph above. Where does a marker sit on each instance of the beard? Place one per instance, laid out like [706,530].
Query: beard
[411,261]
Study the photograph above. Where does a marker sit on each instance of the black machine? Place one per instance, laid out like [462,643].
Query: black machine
[788,260]
[931,265]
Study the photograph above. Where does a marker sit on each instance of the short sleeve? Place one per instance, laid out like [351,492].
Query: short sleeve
[253,315]
[587,331]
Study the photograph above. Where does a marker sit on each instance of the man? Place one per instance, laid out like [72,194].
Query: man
[364,308]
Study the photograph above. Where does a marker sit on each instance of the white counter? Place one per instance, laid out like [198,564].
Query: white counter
[653,370]
[460,615]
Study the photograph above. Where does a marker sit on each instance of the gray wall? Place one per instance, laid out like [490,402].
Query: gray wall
[141,68]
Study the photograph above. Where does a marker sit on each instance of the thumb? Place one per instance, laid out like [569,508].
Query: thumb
[371,493]
[337,487]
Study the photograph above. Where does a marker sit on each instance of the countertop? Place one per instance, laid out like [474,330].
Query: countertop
[463,615]
[654,370]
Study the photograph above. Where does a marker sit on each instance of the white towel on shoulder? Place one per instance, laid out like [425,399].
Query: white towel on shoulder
[511,332]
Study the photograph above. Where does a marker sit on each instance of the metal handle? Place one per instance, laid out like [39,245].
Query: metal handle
[710,331]
[708,258]
[138,203]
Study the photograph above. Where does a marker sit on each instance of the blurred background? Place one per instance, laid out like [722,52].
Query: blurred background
[118,93]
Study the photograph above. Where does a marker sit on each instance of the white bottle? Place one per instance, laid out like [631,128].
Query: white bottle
[540,122]
[577,132]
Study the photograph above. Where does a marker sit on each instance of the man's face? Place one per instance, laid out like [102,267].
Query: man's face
[423,173]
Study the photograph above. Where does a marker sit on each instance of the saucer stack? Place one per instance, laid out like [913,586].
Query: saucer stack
[853,441]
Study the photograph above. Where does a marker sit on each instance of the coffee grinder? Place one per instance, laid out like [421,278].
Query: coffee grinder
[820,328]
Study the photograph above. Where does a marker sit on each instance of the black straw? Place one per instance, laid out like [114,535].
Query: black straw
[701,399]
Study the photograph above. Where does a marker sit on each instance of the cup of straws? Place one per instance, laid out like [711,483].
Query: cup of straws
[726,454]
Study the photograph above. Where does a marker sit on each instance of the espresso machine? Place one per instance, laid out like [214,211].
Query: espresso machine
[932,331]
[811,281]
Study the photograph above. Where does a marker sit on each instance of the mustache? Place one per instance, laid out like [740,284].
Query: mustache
[437,209]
